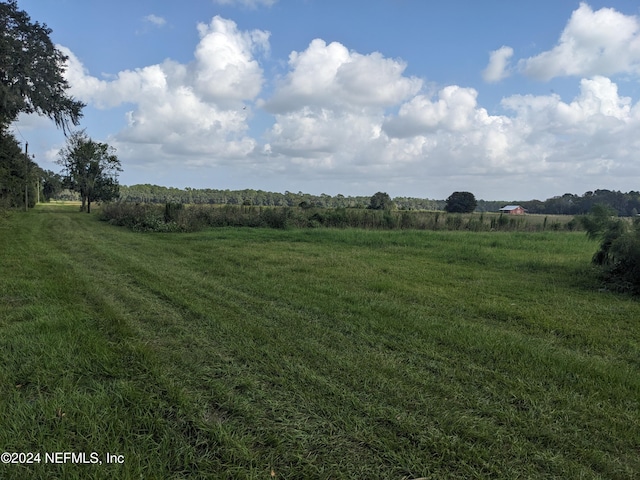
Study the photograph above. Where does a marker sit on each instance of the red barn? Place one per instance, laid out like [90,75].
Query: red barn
[513,210]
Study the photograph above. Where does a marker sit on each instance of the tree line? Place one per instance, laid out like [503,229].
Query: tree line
[147,193]
[624,204]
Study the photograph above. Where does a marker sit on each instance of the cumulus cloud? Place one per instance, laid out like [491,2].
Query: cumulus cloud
[498,65]
[602,42]
[540,137]
[331,76]
[225,70]
[454,133]
[455,110]
[185,109]
[597,104]
[597,125]
[330,106]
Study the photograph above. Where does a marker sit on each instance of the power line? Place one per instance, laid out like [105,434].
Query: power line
[19,132]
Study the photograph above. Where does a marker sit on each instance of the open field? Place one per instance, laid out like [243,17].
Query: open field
[315,353]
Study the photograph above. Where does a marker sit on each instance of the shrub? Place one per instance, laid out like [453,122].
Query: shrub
[172,212]
[138,217]
[624,261]
[275,218]
[619,251]
[453,222]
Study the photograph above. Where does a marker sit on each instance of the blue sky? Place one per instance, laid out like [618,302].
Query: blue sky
[508,100]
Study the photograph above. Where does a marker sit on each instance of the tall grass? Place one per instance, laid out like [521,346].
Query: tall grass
[176,217]
[313,353]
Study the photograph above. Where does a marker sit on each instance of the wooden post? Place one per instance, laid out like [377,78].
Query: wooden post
[26,176]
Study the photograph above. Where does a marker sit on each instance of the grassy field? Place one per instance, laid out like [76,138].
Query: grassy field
[317,353]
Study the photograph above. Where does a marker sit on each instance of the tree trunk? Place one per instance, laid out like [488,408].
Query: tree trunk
[84,203]
[88,205]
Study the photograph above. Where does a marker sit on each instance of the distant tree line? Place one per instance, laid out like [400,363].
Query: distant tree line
[158,194]
[625,204]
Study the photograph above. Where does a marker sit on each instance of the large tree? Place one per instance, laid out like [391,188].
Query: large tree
[32,71]
[380,201]
[461,202]
[90,168]
[51,184]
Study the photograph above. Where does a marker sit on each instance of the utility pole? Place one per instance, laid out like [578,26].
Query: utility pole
[26,174]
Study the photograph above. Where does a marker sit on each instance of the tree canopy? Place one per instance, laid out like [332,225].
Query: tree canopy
[461,202]
[90,168]
[380,201]
[31,71]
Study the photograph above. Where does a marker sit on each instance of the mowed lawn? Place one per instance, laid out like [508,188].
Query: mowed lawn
[255,353]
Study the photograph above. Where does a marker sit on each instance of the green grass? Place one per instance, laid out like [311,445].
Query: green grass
[317,353]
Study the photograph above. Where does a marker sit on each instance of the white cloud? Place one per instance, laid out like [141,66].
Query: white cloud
[331,76]
[225,70]
[498,65]
[330,107]
[454,133]
[155,20]
[604,42]
[597,103]
[579,136]
[455,110]
[194,109]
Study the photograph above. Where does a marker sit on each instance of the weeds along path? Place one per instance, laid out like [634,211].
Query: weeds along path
[238,353]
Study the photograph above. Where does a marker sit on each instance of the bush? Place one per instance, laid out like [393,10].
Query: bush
[619,251]
[172,212]
[138,217]
[624,266]
[275,218]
